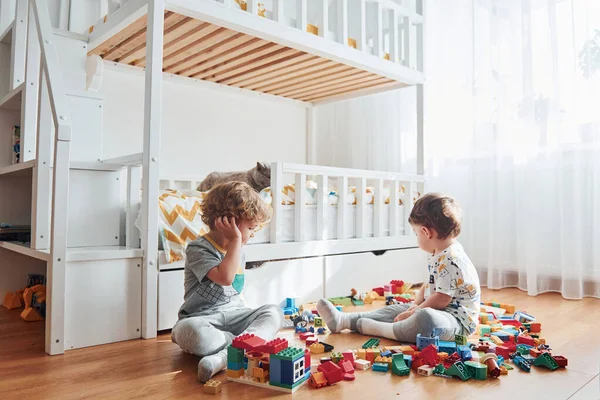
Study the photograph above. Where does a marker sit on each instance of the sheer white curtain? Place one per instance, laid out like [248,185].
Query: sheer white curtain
[512,131]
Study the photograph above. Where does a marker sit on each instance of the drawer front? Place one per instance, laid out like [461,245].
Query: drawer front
[170,297]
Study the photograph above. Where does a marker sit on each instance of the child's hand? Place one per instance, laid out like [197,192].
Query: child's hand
[405,314]
[228,228]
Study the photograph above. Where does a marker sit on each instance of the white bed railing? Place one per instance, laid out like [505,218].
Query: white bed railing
[412,183]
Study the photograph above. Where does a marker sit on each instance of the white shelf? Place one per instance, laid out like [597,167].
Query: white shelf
[20,248]
[12,100]
[20,169]
[77,253]
[6,36]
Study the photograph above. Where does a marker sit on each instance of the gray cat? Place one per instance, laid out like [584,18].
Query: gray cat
[258,177]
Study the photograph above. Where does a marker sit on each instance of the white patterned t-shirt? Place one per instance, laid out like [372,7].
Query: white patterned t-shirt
[451,272]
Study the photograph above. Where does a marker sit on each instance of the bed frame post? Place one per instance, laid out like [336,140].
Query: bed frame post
[342,22]
[252,6]
[324,18]
[19,45]
[361,196]
[394,36]
[152,128]
[362,32]
[276,197]
[30,92]
[394,206]
[378,209]
[342,205]
[301,20]
[278,10]
[322,196]
[408,206]
[406,25]
[134,180]
[420,98]
[378,40]
[300,207]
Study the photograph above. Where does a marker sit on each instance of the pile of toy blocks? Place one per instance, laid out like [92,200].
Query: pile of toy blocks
[272,365]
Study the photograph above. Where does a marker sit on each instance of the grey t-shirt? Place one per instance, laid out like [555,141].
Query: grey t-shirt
[203,296]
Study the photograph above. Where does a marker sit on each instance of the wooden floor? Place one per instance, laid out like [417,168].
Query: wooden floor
[157,369]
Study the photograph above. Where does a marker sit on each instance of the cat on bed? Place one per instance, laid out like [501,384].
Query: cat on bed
[258,178]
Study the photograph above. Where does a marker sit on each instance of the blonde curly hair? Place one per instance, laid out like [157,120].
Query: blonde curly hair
[233,199]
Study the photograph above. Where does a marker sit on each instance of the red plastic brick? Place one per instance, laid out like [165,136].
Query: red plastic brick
[306,359]
[274,346]
[349,377]
[311,340]
[346,366]
[247,341]
[348,355]
[332,372]
[379,290]
[561,361]
[306,335]
[528,340]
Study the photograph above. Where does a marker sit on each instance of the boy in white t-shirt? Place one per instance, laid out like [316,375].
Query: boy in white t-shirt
[448,302]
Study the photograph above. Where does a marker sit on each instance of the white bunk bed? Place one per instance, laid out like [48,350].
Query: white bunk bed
[329,50]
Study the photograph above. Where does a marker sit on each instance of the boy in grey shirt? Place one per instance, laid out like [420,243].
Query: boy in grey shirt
[213,312]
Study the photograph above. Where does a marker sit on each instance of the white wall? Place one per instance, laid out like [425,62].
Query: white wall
[203,129]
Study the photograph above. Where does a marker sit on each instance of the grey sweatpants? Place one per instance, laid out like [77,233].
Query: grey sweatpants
[423,321]
[207,334]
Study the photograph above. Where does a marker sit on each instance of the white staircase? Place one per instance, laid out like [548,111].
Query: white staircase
[93,269]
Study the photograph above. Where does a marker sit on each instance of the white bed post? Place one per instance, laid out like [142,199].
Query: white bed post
[276,197]
[134,180]
[378,209]
[420,98]
[378,40]
[394,36]
[394,206]
[30,92]
[18,47]
[362,29]
[55,314]
[361,214]
[252,6]
[322,197]
[342,205]
[342,22]
[278,10]
[408,206]
[300,207]
[406,46]
[301,18]
[152,129]
[42,173]
[324,18]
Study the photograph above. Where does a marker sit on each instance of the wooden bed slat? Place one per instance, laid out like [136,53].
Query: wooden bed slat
[174,31]
[304,79]
[282,68]
[202,50]
[383,82]
[263,78]
[345,78]
[198,46]
[223,53]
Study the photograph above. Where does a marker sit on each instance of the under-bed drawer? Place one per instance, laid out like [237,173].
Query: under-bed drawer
[365,271]
[170,297]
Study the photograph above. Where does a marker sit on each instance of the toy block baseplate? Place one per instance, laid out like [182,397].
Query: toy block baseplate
[371,343]
[246,380]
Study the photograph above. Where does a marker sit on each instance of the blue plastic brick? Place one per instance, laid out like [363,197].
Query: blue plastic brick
[275,370]
[386,353]
[424,341]
[235,366]
[464,352]
[290,302]
[446,347]
[380,367]
[408,360]
[339,308]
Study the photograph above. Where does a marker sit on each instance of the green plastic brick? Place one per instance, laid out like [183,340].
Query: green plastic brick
[235,355]
[477,370]
[289,354]
[546,360]
[371,343]
[459,370]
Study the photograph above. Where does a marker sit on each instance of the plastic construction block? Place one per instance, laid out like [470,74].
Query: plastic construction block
[429,355]
[407,350]
[358,302]
[346,366]
[332,372]
[372,354]
[306,335]
[317,348]
[212,387]
[464,353]
[361,354]
[523,317]
[317,380]
[371,343]
[523,349]
[362,364]
[235,355]
[384,360]
[289,354]
[327,347]
[380,367]
[231,373]
[274,346]
[561,361]
[301,329]
[503,351]
[460,340]
[546,360]
[247,341]
[491,362]
[235,365]
[446,347]
[425,370]
[386,353]
[318,321]
[340,308]
[459,370]
[522,363]
[321,331]
[12,300]
[336,357]
[477,370]
[407,360]
[528,340]
[534,327]
[424,341]
[348,355]
[440,370]
[399,366]
[379,291]
[311,340]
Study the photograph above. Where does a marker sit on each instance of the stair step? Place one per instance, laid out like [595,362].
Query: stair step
[77,253]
